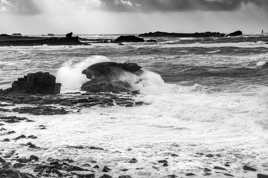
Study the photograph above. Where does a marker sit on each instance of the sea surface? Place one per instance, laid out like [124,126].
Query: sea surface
[204,96]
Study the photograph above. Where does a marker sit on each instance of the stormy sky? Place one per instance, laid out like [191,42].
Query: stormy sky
[132,16]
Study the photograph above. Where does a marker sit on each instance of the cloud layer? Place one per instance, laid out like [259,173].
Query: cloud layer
[179,5]
[26,7]
[32,7]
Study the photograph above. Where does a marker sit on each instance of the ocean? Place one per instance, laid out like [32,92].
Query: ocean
[206,106]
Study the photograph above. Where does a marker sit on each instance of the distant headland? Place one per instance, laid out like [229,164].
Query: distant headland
[17,39]
[191,35]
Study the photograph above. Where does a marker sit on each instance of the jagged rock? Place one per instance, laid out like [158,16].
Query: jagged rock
[106,176]
[41,110]
[236,33]
[190,174]
[248,168]
[10,173]
[69,35]
[13,119]
[219,168]
[133,160]
[129,38]
[115,87]
[125,176]
[34,83]
[106,169]
[106,77]
[110,70]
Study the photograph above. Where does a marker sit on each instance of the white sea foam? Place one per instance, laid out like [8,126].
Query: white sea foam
[70,75]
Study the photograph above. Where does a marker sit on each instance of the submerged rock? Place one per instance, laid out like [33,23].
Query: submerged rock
[13,119]
[41,110]
[129,38]
[262,176]
[10,173]
[249,168]
[115,87]
[35,83]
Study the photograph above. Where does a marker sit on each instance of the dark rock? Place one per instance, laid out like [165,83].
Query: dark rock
[10,132]
[133,160]
[69,35]
[207,170]
[18,165]
[106,169]
[262,176]
[125,176]
[171,176]
[2,161]
[95,148]
[227,164]
[13,119]
[106,176]
[124,170]
[248,168]
[42,127]
[96,167]
[33,158]
[35,83]
[84,174]
[23,160]
[219,168]
[6,140]
[20,137]
[41,110]
[151,41]
[129,38]
[31,145]
[10,173]
[32,137]
[190,174]
[163,161]
[236,33]
[210,155]
[229,175]
[115,87]
[105,77]
[107,70]
[9,40]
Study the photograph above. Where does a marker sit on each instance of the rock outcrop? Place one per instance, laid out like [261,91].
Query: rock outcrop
[15,40]
[106,77]
[129,38]
[10,173]
[236,33]
[35,83]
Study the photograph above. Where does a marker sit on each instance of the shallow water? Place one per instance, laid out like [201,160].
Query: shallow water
[213,98]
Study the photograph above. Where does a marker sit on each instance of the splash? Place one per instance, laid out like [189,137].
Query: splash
[71,77]
[70,74]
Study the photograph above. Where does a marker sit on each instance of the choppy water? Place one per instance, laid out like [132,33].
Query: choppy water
[214,97]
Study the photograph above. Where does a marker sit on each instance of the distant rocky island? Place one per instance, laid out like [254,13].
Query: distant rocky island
[190,35]
[20,40]
[17,39]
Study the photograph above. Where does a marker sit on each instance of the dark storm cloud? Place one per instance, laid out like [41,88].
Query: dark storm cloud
[23,7]
[179,5]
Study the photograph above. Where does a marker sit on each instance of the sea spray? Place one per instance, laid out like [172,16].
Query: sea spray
[71,77]
[70,74]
